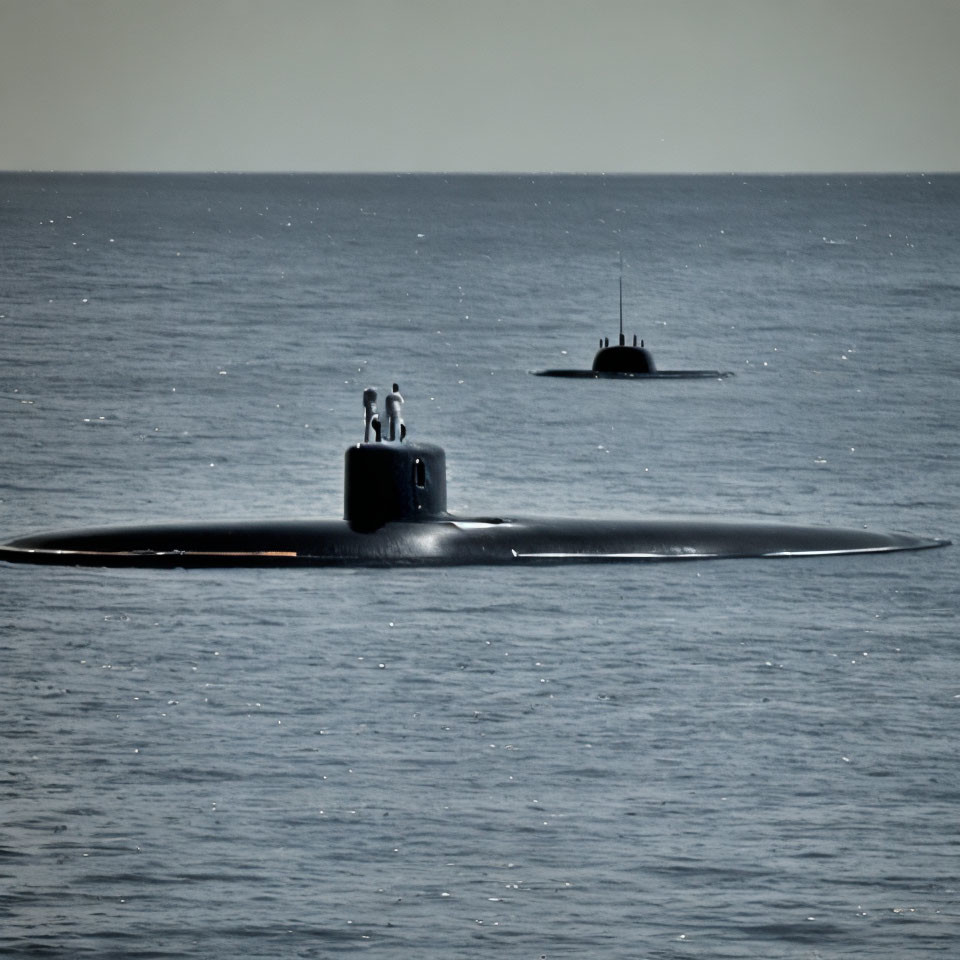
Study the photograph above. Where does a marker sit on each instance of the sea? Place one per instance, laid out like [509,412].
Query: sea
[709,759]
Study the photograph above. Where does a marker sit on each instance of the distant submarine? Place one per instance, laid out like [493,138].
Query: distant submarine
[623,361]
[395,514]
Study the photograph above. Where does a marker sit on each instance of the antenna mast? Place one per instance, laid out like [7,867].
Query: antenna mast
[621,297]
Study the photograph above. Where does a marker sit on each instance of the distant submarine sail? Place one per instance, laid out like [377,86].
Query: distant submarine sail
[626,361]
[395,514]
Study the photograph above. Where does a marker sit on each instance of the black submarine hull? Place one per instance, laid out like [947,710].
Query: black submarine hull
[634,375]
[447,541]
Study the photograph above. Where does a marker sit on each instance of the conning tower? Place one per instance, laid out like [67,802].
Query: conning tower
[622,358]
[387,480]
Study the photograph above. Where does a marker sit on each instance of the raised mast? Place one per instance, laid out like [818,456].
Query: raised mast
[621,299]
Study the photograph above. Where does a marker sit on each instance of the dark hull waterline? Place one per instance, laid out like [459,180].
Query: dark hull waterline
[443,542]
[627,375]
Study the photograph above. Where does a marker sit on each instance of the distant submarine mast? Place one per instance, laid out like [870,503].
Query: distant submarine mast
[622,339]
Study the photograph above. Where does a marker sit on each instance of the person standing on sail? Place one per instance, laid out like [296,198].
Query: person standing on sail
[394,401]
[370,418]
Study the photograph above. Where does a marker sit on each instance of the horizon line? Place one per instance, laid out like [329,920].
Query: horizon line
[138,171]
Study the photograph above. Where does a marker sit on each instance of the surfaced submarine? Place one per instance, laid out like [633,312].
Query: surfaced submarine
[395,514]
[626,361]
[620,362]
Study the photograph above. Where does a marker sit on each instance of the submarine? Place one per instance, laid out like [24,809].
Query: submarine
[395,514]
[626,361]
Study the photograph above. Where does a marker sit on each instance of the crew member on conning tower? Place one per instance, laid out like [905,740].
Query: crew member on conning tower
[371,419]
[394,401]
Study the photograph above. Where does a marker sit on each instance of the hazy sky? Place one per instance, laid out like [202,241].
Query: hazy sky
[484,85]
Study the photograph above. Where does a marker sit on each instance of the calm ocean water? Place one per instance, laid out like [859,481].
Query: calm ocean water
[721,759]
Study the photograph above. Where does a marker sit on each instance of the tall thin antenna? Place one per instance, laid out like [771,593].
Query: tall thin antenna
[621,296]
